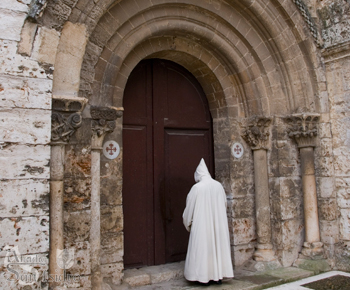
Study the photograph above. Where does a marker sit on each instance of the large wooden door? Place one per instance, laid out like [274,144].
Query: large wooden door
[167,129]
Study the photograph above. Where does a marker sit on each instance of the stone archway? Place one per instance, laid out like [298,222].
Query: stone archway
[250,58]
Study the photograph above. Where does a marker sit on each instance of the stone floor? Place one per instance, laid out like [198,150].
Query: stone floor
[170,277]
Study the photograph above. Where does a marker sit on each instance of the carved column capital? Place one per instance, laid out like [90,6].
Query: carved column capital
[303,128]
[103,122]
[66,118]
[257,132]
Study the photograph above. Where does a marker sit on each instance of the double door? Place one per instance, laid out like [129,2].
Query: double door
[167,129]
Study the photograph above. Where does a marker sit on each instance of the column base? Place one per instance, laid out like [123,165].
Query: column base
[312,258]
[260,266]
[264,253]
[313,251]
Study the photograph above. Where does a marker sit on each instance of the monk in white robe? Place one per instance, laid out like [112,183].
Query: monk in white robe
[208,254]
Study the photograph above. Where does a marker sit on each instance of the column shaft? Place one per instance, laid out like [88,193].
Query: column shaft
[312,230]
[56,208]
[95,231]
[262,197]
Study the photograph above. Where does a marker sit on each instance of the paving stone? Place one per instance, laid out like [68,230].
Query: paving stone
[290,273]
[262,280]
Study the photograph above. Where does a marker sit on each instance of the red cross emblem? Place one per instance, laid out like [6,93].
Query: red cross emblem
[110,149]
[237,149]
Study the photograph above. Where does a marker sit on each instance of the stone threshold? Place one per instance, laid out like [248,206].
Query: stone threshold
[154,274]
[170,277]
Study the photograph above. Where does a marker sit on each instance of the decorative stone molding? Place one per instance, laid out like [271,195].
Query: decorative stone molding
[63,128]
[66,118]
[304,10]
[36,8]
[103,122]
[64,104]
[303,128]
[257,132]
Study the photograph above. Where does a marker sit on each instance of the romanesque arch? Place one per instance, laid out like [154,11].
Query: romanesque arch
[251,58]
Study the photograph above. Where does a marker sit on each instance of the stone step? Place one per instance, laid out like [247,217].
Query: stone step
[170,277]
[154,274]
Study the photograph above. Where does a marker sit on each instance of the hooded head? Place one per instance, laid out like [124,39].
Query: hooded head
[201,171]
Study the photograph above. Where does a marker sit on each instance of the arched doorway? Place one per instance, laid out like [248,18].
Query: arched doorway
[167,128]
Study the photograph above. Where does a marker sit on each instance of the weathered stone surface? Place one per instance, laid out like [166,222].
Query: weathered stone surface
[242,207]
[69,53]
[328,209]
[246,228]
[24,161]
[77,226]
[27,93]
[14,64]
[78,161]
[35,131]
[28,33]
[291,208]
[111,219]
[115,271]
[242,187]
[242,253]
[11,24]
[45,45]
[77,194]
[82,265]
[25,274]
[30,234]
[111,181]
[329,232]
[136,277]
[342,254]
[290,187]
[166,272]
[112,249]
[335,22]
[345,224]
[325,187]
[15,5]
[24,198]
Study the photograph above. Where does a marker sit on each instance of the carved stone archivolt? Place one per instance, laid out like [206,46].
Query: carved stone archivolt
[303,128]
[257,132]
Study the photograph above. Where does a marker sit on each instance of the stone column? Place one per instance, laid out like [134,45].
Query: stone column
[66,119]
[303,129]
[103,122]
[257,135]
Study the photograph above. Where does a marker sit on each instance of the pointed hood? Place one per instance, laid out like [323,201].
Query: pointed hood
[201,171]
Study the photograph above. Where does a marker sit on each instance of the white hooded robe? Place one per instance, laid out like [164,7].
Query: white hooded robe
[208,254]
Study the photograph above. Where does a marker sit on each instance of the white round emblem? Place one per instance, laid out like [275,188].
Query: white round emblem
[111,149]
[237,150]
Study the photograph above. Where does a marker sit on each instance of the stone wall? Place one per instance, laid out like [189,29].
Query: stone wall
[245,67]
[336,186]
[334,21]
[25,126]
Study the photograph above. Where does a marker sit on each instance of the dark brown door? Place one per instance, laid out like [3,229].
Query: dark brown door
[167,129]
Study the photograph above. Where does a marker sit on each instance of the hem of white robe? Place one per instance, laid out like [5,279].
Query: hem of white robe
[206,280]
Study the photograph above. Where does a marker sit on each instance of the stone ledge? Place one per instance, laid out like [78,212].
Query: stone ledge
[154,274]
